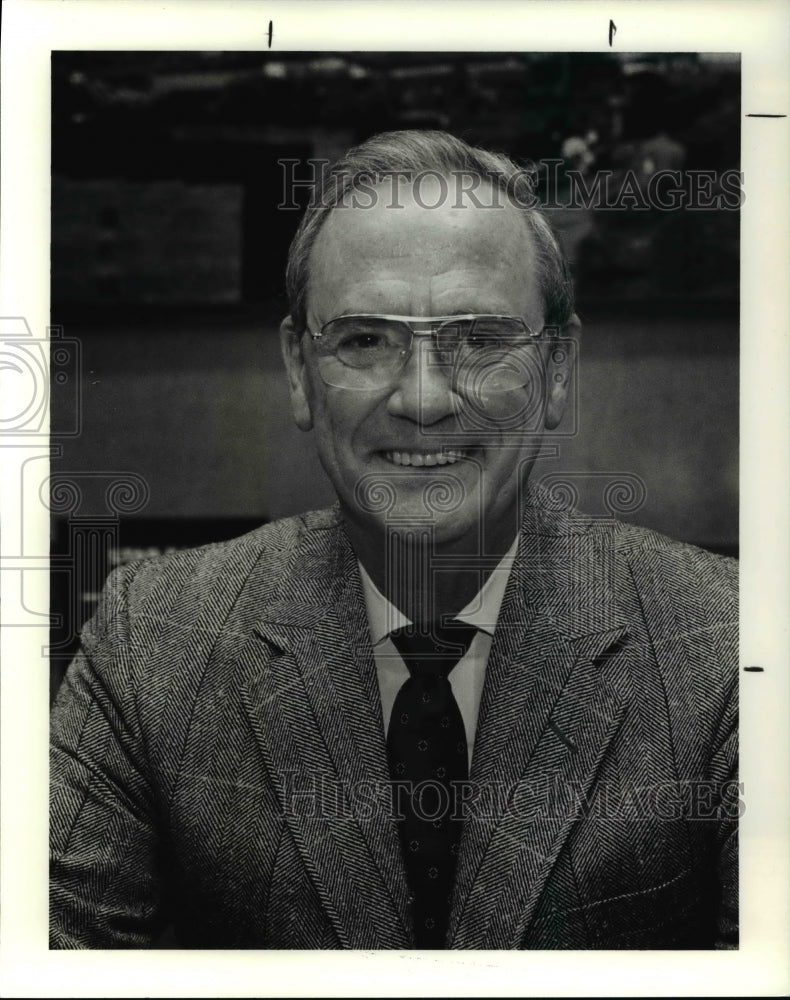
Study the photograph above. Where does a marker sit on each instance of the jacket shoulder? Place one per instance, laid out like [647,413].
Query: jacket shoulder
[688,599]
[679,599]
[676,571]
[681,572]
[172,592]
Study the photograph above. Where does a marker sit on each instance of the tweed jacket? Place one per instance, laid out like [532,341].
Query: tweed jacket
[218,752]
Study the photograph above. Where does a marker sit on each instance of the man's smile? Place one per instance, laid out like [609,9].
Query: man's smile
[447,456]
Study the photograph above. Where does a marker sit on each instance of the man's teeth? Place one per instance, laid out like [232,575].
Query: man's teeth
[424,458]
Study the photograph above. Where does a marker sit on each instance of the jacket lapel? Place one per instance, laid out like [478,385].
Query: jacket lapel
[316,713]
[546,718]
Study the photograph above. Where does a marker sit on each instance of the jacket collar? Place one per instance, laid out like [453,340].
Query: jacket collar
[561,565]
[482,611]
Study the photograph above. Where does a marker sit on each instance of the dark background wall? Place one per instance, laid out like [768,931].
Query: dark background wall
[168,252]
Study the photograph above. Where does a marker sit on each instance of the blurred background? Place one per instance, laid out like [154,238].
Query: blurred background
[168,254]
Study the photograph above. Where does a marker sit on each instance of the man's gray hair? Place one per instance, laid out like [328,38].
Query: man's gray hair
[408,154]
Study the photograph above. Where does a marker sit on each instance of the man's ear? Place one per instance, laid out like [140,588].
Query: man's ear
[291,347]
[563,349]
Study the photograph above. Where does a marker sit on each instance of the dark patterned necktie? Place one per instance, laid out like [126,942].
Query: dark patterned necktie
[427,752]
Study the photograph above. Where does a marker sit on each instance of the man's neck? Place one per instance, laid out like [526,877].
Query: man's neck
[424,579]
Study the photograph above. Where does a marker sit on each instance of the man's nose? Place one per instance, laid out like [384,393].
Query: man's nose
[423,392]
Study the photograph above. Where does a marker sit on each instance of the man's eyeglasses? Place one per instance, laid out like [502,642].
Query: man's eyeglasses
[485,353]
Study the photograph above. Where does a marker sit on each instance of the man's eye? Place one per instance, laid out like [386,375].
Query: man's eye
[485,340]
[363,342]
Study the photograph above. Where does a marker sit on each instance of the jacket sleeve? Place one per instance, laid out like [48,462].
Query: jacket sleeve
[689,598]
[724,773]
[719,588]
[105,871]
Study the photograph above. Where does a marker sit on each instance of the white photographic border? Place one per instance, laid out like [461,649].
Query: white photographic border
[759,30]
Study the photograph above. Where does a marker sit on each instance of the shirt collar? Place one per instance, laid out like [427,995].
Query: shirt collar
[482,611]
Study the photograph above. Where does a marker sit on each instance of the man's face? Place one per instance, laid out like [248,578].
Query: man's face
[390,451]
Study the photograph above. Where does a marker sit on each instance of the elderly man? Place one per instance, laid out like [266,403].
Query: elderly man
[448,712]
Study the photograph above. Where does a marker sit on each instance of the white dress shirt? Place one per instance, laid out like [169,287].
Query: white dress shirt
[466,677]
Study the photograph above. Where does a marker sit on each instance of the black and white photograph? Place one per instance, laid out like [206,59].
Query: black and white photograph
[395,465]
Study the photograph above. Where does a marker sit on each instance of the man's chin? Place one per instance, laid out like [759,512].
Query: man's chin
[418,523]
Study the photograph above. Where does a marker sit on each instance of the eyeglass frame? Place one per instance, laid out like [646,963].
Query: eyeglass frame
[435,322]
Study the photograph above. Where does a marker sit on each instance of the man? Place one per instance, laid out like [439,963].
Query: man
[447,712]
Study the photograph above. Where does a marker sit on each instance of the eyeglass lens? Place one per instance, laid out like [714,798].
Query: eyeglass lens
[370,351]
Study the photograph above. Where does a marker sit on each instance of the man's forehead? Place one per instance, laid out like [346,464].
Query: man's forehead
[415,230]
[400,213]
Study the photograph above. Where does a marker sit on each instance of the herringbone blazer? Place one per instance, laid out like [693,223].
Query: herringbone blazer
[218,748]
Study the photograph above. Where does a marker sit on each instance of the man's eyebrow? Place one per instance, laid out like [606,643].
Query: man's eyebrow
[463,310]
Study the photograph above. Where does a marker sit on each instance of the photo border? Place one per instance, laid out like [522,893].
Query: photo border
[758,30]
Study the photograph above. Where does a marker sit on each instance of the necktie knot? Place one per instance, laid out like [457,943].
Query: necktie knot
[433,649]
